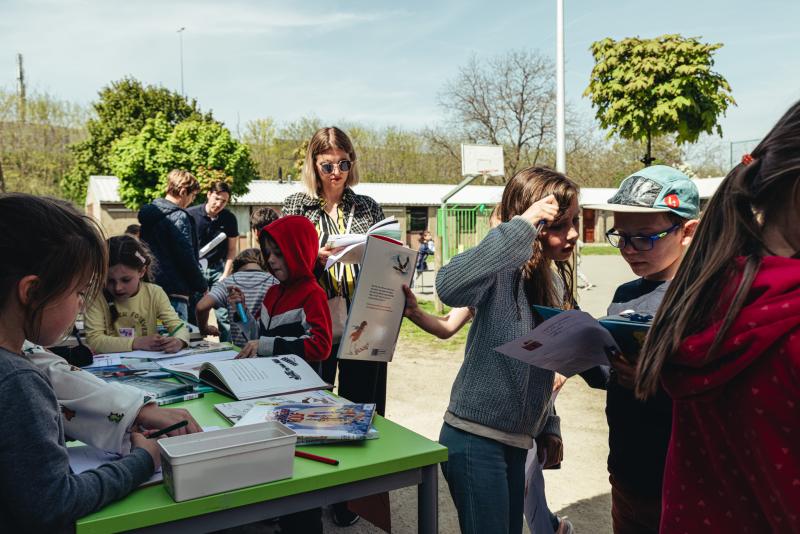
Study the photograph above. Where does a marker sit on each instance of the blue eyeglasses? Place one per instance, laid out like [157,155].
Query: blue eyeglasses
[642,243]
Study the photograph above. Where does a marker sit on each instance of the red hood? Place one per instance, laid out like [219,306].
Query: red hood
[297,238]
[772,309]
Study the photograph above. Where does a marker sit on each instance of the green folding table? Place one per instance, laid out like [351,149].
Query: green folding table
[397,459]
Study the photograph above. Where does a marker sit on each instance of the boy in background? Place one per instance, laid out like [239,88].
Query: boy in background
[655,217]
[170,233]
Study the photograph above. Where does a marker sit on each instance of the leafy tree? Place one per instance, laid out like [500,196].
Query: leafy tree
[122,109]
[34,141]
[645,88]
[207,149]
[509,101]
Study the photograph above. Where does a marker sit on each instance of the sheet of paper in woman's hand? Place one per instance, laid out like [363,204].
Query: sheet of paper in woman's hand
[568,343]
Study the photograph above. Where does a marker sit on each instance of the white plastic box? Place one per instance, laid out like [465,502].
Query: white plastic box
[196,465]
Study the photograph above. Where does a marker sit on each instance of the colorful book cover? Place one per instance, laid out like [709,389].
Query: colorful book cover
[234,411]
[314,423]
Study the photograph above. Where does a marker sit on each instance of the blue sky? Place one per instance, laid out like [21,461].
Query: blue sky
[372,61]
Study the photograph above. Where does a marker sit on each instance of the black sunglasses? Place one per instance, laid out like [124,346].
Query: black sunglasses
[344,166]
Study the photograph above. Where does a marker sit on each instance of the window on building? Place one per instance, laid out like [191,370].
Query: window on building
[417,219]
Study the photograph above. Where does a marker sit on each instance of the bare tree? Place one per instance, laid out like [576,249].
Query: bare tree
[508,100]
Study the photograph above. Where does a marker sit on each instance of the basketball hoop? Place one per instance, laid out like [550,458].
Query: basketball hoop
[482,160]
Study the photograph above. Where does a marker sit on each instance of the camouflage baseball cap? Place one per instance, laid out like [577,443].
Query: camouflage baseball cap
[655,189]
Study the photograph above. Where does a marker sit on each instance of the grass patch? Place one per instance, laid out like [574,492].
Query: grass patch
[599,250]
[411,333]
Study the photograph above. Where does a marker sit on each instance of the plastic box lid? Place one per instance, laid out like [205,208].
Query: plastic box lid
[190,448]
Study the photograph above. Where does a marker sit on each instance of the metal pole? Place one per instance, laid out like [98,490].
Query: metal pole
[22,101]
[443,209]
[180,37]
[561,154]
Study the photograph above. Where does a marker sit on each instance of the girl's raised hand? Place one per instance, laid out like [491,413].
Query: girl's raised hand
[545,209]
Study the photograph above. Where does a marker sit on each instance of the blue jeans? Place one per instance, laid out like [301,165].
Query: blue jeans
[181,307]
[486,480]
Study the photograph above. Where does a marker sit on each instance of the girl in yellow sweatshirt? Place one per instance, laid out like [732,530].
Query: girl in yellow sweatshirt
[124,317]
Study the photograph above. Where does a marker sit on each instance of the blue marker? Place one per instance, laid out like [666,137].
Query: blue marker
[240,309]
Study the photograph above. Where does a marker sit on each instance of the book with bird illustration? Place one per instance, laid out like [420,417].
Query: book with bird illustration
[377,306]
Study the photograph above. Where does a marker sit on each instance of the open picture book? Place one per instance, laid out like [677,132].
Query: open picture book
[349,248]
[250,378]
[572,341]
[628,333]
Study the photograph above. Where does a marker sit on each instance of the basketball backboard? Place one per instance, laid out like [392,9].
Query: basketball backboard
[482,160]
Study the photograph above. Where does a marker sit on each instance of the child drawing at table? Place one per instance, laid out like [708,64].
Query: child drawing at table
[54,258]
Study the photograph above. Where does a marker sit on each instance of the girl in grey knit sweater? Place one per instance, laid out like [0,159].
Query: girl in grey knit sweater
[499,404]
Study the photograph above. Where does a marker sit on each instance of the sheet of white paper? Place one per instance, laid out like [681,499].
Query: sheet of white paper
[200,358]
[199,347]
[104,360]
[83,457]
[568,343]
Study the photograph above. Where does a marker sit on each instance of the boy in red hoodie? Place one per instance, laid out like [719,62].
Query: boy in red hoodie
[726,347]
[294,317]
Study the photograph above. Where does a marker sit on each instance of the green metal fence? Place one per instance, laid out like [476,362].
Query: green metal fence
[462,228]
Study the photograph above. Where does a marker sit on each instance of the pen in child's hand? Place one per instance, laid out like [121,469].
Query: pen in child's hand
[175,330]
[169,429]
[240,309]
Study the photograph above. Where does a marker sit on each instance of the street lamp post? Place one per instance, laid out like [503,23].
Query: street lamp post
[561,155]
[180,38]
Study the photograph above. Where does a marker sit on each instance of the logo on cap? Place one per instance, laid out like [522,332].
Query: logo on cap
[672,201]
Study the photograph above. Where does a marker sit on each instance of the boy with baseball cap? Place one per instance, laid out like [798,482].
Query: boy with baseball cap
[655,217]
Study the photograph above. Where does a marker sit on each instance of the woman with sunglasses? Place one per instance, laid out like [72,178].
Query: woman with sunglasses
[329,172]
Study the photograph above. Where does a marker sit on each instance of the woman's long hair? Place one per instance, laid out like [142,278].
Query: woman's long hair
[526,187]
[755,193]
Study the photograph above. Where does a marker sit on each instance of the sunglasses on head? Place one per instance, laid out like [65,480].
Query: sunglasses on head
[344,166]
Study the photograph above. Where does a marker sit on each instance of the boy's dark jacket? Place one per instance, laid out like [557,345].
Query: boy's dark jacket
[170,233]
[294,317]
[734,459]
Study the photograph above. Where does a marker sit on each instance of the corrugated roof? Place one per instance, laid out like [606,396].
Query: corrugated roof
[104,189]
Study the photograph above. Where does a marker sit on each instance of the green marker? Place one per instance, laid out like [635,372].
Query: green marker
[175,330]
